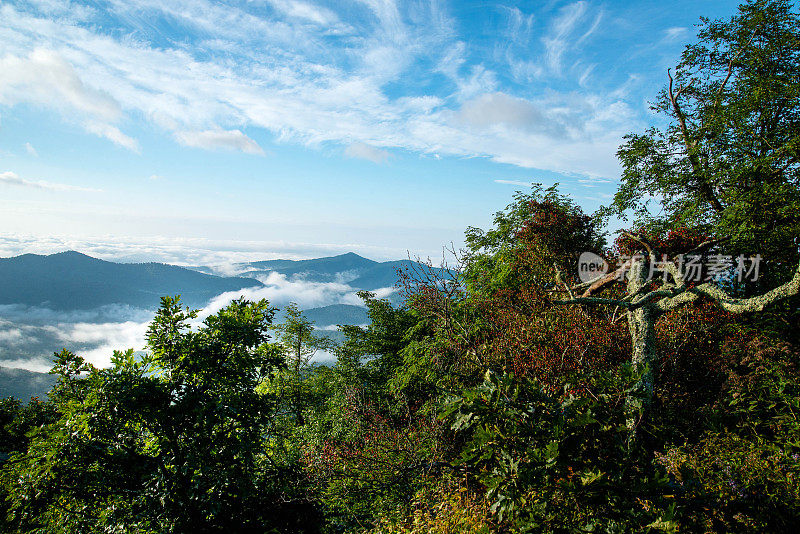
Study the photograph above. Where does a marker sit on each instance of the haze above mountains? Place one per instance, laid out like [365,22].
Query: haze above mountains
[92,306]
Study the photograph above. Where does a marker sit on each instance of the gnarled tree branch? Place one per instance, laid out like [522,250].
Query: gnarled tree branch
[732,304]
[691,146]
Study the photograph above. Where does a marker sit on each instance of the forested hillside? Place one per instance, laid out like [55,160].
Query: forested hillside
[509,394]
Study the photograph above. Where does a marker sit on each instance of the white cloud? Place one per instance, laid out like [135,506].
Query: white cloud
[46,79]
[353,299]
[494,109]
[364,151]
[303,10]
[30,150]
[10,335]
[29,335]
[514,182]
[103,338]
[113,134]
[288,77]
[335,327]
[323,357]
[36,315]
[37,365]
[675,33]
[567,133]
[280,290]
[10,178]
[224,139]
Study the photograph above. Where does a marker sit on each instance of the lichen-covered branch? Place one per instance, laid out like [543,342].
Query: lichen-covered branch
[732,304]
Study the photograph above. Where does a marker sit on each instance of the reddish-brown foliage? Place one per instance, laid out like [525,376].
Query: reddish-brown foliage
[673,242]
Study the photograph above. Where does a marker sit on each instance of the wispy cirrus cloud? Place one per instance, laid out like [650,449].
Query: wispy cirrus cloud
[305,11]
[45,78]
[241,67]
[676,32]
[12,179]
[364,151]
[112,133]
[573,25]
[518,183]
[220,139]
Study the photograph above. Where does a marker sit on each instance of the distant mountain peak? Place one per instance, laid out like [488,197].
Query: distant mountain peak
[73,254]
[72,280]
[348,256]
[67,255]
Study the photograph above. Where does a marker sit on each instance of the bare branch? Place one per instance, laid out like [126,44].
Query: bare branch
[600,283]
[718,98]
[691,146]
[707,244]
[666,291]
[644,242]
[560,280]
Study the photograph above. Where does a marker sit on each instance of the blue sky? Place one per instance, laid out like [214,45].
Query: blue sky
[196,131]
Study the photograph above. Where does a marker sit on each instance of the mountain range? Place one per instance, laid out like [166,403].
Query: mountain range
[358,272]
[24,384]
[74,282]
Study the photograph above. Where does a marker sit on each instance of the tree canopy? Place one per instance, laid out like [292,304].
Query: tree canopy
[727,159]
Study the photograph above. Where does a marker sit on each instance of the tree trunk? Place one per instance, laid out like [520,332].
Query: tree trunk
[641,322]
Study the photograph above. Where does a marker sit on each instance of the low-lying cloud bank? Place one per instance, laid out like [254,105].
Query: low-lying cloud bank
[30,335]
[31,347]
[280,291]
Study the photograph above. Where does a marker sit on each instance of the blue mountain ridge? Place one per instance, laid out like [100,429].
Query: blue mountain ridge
[358,272]
[75,281]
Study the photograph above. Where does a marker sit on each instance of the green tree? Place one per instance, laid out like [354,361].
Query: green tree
[18,420]
[369,445]
[299,343]
[728,159]
[170,442]
[541,228]
[727,164]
